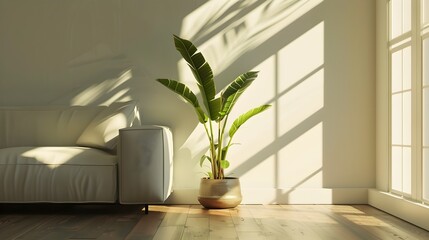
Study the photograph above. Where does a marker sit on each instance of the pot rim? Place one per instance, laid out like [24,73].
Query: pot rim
[225,178]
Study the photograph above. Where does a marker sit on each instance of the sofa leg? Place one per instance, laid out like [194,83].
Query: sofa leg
[146,209]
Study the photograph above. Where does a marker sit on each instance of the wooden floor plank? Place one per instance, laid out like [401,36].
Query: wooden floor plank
[188,222]
[392,226]
[147,226]
[196,228]
[222,225]
[48,229]
[19,225]
[169,233]
[173,223]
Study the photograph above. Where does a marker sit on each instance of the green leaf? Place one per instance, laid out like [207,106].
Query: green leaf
[216,105]
[224,151]
[203,158]
[244,117]
[239,84]
[183,91]
[202,73]
[224,164]
[234,90]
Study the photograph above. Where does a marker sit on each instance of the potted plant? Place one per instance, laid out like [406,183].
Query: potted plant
[216,190]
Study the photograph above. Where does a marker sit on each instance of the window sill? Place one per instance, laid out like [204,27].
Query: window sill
[410,211]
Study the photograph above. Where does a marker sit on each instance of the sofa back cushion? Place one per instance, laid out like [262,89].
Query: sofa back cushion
[102,132]
[50,126]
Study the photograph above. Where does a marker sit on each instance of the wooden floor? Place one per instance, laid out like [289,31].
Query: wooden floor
[344,222]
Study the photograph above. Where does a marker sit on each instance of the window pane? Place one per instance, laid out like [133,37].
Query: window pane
[395,18]
[406,66]
[425,12]
[406,16]
[401,70]
[396,70]
[397,119]
[406,118]
[397,168]
[400,17]
[406,170]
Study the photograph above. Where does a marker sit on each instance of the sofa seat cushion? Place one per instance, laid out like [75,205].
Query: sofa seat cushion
[57,174]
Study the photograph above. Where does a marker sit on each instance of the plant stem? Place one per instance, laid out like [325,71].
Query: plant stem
[210,138]
[223,132]
[213,153]
[219,148]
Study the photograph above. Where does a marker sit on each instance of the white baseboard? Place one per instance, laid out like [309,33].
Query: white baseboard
[284,196]
[415,213]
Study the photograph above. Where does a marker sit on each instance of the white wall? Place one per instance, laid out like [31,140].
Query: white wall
[317,68]
[382,100]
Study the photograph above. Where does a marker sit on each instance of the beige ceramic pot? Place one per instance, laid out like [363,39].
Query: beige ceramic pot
[220,193]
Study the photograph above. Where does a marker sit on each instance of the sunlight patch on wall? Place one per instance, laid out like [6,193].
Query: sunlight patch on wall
[259,176]
[211,16]
[301,161]
[246,26]
[258,134]
[301,89]
[262,90]
[301,57]
[109,86]
[300,103]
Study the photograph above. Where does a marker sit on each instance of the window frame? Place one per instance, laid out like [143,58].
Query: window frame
[414,38]
[423,34]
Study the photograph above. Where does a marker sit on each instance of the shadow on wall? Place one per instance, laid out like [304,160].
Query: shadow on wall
[297,143]
[97,60]
[107,88]
[57,54]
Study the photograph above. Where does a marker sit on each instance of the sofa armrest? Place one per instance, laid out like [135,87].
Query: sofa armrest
[145,161]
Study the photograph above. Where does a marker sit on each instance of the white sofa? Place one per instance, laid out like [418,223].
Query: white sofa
[83,154]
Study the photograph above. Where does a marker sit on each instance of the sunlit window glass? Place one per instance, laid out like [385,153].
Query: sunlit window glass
[425,12]
[400,17]
[401,120]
